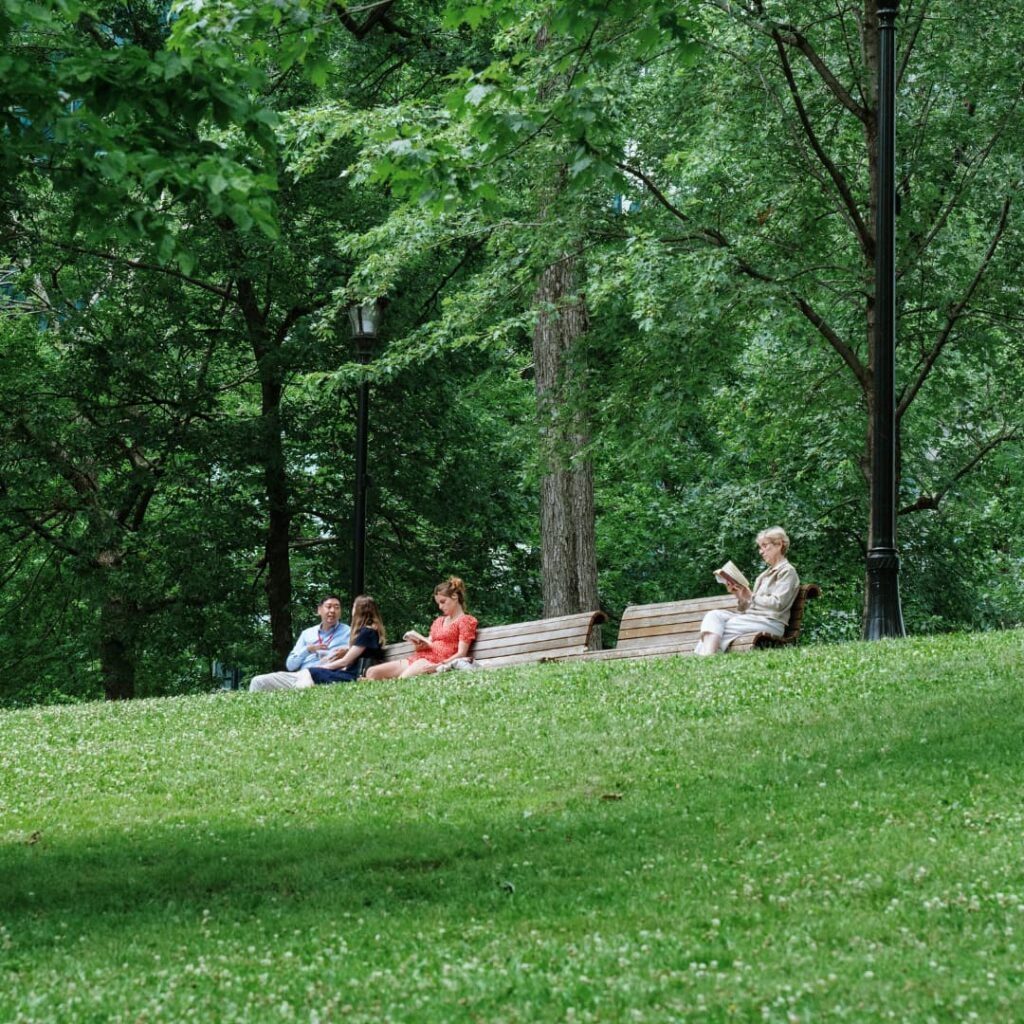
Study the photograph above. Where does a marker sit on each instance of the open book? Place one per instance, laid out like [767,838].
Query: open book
[729,573]
[418,639]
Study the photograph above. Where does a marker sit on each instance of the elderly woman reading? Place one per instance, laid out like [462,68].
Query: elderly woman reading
[765,609]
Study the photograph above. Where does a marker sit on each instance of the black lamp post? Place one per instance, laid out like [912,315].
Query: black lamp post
[884,616]
[365,319]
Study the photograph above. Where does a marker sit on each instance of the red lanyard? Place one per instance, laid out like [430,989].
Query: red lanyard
[330,636]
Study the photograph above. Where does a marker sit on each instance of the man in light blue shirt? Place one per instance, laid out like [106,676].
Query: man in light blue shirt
[331,635]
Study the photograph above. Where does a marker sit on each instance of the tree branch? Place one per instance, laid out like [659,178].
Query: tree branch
[972,168]
[844,351]
[911,36]
[864,236]
[223,292]
[932,501]
[717,239]
[792,37]
[470,250]
[295,545]
[293,316]
[955,313]
[80,481]
[649,184]
[378,16]
[28,520]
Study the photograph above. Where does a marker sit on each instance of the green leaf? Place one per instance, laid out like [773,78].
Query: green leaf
[317,72]
[165,247]
[477,95]
[241,215]
[186,262]
[114,164]
[456,14]
[580,165]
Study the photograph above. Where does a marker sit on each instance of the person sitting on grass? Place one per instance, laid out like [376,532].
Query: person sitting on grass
[313,643]
[368,639]
[765,609]
[451,637]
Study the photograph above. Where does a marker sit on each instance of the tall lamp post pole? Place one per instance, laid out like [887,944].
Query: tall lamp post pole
[365,319]
[884,617]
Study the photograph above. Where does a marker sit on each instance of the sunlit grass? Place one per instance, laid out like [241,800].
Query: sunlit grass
[828,833]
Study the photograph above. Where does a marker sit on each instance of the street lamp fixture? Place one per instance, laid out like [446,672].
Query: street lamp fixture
[365,320]
[884,617]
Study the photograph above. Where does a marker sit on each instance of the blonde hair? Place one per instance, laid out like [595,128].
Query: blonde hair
[775,533]
[453,587]
[366,613]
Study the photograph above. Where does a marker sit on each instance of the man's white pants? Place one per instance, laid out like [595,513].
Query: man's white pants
[281,681]
[730,625]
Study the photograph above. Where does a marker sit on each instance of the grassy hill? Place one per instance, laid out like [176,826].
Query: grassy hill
[824,834]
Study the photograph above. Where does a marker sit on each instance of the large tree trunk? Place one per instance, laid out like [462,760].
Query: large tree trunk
[117,662]
[275,473]
[568,551]
[567,531]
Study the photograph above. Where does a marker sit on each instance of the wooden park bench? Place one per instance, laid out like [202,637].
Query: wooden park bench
[673,627]
[523,643]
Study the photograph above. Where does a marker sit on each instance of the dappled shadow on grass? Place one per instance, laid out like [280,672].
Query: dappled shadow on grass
[473,868]
[194,868]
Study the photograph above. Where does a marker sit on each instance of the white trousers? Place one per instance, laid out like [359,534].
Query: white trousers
[730,625]
[281,681]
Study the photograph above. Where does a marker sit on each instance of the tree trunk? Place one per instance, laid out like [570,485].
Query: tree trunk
[568,550]
[117,663]
[279,571]
[275,474]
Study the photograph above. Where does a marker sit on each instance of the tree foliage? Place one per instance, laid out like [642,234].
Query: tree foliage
[194,193]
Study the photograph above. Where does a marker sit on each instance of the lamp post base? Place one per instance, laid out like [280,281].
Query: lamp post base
[884,616]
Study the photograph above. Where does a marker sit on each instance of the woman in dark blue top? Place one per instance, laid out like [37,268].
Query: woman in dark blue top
[368,639]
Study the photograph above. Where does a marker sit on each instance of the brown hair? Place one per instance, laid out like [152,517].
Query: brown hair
[453,587]
[366,613]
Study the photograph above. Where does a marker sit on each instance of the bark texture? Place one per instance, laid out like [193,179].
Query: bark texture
[266,352]
[568,550]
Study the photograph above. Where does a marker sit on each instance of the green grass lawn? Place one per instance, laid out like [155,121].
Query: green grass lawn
[823,834]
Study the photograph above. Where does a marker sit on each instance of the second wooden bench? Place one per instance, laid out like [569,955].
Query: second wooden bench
[673,627]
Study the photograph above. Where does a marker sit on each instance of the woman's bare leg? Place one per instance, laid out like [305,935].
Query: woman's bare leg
[387,669]
[419,667]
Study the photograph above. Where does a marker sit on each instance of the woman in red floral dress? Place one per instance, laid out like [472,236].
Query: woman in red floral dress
[451,636]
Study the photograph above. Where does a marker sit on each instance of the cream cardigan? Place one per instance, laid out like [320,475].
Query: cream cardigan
[774,592]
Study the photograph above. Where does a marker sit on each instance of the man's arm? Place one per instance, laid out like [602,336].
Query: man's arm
[298,654]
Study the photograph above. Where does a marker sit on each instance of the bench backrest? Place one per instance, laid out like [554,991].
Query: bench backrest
[796,615]
[671,622]
[524,642]
[678,622]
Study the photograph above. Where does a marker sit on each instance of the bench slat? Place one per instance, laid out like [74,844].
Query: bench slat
[711,601]
[532,658]
[621,653]
[641,643]
[640,616]
[638,626]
